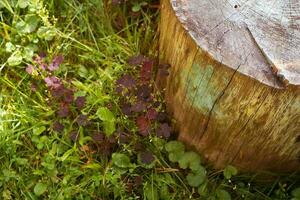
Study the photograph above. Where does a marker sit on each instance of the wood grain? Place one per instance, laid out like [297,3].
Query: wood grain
[236,30]
[222,92]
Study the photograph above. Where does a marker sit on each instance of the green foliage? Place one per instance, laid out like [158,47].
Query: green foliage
[27,31]
[39,189]
[121,160]
[222,195]
[296,194]
[189,160]
[95,151]
[229,171]
[175,150]
[108,119]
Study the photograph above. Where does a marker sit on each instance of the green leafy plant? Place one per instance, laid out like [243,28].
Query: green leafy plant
[229,171]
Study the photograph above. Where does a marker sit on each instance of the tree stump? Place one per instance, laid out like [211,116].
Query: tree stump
[234,83]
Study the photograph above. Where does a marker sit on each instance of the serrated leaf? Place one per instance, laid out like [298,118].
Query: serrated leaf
[39,189]
[38,130]
[189,159]
[222,195]
[121,160]
[229,171]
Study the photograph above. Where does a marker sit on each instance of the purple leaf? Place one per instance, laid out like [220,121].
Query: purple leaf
[68,96]
[138,107]
[162,117]
[126,81]
[43,66]
[146,157]
[164,130]
[143,93]
[138,181]
[42,54]
[136,60]
[98,137]
[80,102]
[64,110]
[119,89]
[57,60]
[52,82]
[112,139]
[143,125]
[124,138]
[151,114]
[29,69]
[58,92]
[33,87]
[146,71]
[58,127]
[126,109]
[74,136]
[82,120]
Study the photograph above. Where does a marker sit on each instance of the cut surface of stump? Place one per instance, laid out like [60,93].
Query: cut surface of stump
[234,84]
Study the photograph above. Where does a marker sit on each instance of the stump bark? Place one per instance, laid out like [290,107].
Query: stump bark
[233,87]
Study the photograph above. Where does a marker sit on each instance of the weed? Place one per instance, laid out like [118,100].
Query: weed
[80,117]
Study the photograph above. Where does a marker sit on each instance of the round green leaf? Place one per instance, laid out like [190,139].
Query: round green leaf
[195,179]
[121,160]
[222,195]
[175,156]
[189,159]
[15,59]
[40,189]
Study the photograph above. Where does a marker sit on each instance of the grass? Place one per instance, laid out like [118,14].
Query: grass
[83,144]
